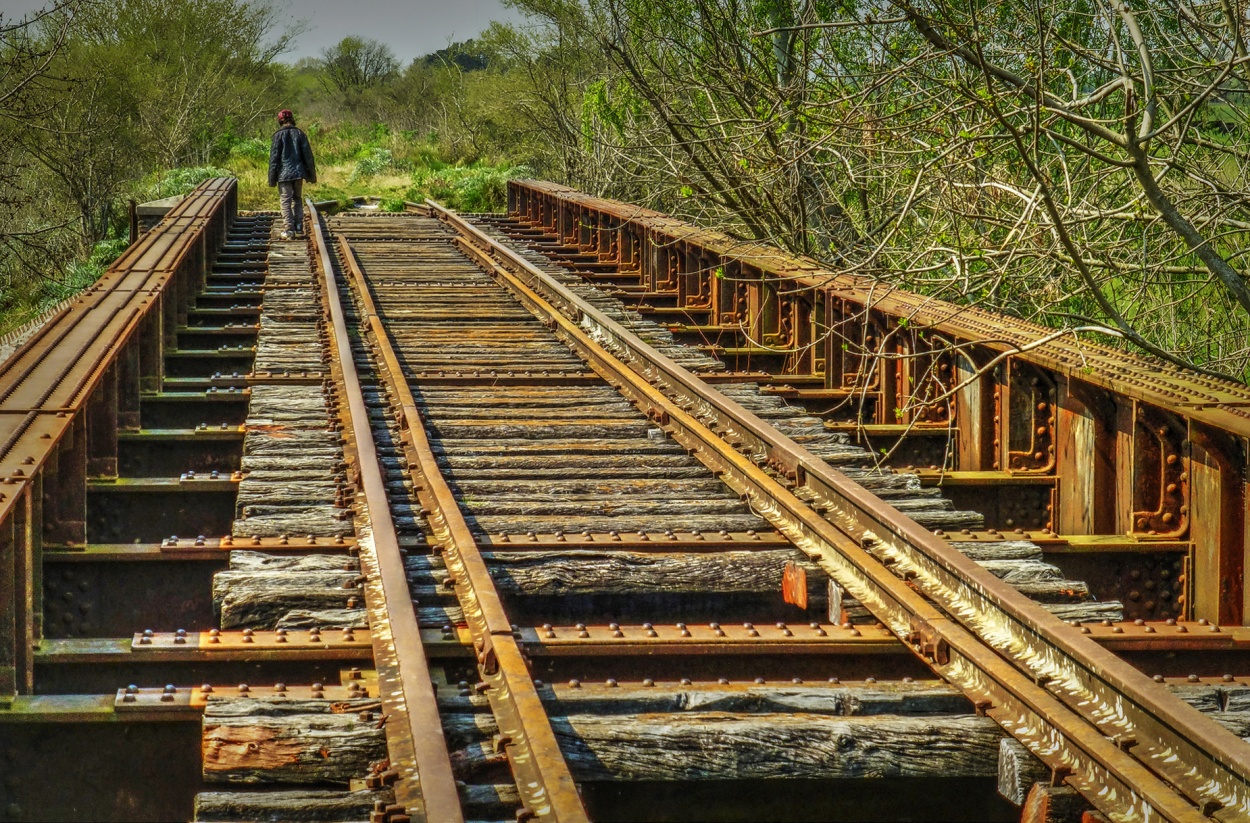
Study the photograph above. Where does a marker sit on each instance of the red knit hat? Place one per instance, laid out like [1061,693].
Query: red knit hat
[286,116]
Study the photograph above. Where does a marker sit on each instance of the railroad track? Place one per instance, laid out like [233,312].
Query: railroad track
[503,544]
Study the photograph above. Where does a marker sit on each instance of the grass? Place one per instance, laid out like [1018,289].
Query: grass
[32,298]
[352,162]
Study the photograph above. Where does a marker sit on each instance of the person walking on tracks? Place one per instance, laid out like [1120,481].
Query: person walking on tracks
[290,164]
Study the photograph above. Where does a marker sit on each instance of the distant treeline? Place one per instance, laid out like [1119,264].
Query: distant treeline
[1083,165]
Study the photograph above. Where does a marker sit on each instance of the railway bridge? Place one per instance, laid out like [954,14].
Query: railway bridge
[581,512]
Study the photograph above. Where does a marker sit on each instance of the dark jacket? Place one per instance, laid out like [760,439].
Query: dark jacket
[290,157]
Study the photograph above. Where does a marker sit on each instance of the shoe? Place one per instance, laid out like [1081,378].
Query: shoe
[286,235]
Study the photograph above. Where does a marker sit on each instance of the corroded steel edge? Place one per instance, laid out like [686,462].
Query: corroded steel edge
[541,773]
[404,675]
[1094,699]
[1223,404]
[172,234]
[81,340]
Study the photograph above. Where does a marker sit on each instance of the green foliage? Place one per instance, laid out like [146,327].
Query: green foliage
[79,275]
[28,300]
[392,204]
[182,180]
[475,188]
[323,194]
[107,250]
[250,148]
[372,162]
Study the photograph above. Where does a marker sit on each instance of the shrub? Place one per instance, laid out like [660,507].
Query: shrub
[475,188]
[106,251]
[179,181]
[372,162]
[81,274]
[251,148]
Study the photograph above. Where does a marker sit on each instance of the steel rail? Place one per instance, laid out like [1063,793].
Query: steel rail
[1137,752]
[394,629]
[526,736]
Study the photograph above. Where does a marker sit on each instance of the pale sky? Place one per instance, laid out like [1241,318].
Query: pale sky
[410,27]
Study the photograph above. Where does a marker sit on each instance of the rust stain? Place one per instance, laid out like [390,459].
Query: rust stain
[230,748]
[272,429]
[794,584]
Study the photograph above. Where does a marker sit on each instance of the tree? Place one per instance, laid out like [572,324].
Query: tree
[28,49]
[1080,163]
[356,64]
[197,64]
[147,85]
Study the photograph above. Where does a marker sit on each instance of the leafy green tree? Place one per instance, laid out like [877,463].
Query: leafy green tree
[147,85]
[356,64]
[1080,163]
[29,48]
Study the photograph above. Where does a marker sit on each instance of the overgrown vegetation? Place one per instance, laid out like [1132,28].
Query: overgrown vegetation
[104,102]
[1080,164]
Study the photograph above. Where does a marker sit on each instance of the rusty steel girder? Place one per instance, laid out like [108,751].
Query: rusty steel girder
[1135,751]
[1223,404]
[869,340]
[68,389]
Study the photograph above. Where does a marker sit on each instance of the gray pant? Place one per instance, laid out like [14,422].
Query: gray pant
[289,196]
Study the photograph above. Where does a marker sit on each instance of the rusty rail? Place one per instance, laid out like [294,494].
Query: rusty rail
[408,690]
[526,736]
[1135,751]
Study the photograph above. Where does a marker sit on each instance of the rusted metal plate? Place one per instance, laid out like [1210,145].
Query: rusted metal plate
[794,584]
[704,639]
[173,698]
[214,641]
[1169,635]
[288,543]
[75,351]
[633,541]
[27,439]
